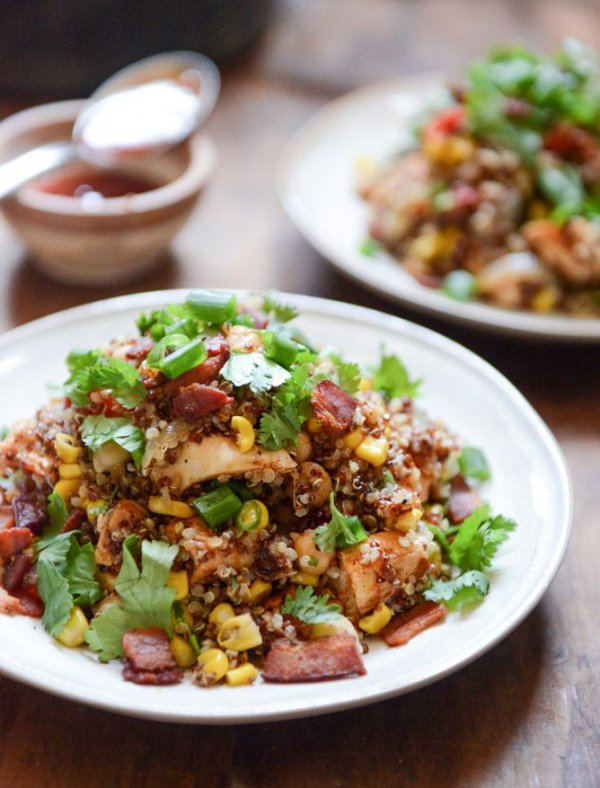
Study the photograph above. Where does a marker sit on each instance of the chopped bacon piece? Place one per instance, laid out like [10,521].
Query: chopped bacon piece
[406,625]
[463,500]
[217,348]
[13,574]
[198,400]
[148,657]
[572,143]
[10,604]
[30,602]
[7,519]
[332,657]
[332,406]
[74,521]
[140,349]
[13,541]
[29,513]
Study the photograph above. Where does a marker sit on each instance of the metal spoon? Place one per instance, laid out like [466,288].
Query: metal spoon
[143,110]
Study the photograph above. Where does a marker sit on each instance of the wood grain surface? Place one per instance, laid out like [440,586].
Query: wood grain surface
[525,714]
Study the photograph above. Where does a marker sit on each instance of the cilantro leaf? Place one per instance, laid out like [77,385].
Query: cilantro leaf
[391,377]
[271,305]
[478,539]
[98,430]
[463,590]
[254,370]
[291,408]
[340,531]
[146,600]
[308,607]
[66,577]
[92,372]
[472,463]
[347,374]
[57,515]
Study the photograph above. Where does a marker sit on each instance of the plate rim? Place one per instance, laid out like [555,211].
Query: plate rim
[375,319]
[515,323]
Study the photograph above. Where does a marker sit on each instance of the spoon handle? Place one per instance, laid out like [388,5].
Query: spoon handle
[33,163]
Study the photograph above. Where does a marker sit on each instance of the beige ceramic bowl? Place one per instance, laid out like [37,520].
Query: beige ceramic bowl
[120,237]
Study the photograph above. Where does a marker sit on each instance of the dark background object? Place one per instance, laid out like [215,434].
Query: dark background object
[65,48]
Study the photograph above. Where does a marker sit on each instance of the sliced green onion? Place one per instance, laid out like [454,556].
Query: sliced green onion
[472,463]
[165,345]
[213,306]
[281,349]
[460,285]
[218,506]
[183,359]
[185,326]
[243,320]
[369,247]
[250,516]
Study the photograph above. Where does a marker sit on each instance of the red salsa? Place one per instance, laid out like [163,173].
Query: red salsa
[106,183]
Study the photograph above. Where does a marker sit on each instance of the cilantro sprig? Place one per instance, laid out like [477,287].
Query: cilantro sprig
[254,370]
[97,430]
[306,606]
[472,549]
[341,531]
[146,600]
[392,379]
[291,408]
[91,371]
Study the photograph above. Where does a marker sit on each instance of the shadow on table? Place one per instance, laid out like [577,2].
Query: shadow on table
[31,294]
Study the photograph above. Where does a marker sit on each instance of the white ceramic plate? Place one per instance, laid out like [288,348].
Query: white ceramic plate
[530,483]
[316,182]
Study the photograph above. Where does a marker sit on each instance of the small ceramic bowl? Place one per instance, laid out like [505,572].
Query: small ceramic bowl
[108,240]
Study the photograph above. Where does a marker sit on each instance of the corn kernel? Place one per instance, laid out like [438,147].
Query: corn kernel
[95,508]
[373,450]
[67,488]
[186,615]
[214,665]
[259,590]
[376,620]
[353,439]
[73,631]
[220,613]
[407,521]
[182,652]
[245,674]
[545,299]
[239,633]
[365,384]
[314,425]
[449,151]
[335,626]
[305,579]
[179,582]
[65,447]
[69,470]
[160,505]
[245,433]
[434,555]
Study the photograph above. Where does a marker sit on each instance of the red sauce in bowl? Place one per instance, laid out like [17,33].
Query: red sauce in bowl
[104,183]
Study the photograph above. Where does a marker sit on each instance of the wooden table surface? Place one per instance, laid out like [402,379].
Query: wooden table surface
[527,713]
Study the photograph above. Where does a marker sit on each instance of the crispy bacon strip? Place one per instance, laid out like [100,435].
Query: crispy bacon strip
[197,400]
[463,500]
[332,657]
[332,406]
[148,659]
[29,513]
[13,574]
[13,541]
[140,349]
[406,625]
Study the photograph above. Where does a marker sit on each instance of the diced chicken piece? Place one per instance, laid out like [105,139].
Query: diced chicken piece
[208,559]
[23,449]
[243,339]
[376,570]
[121,520]
[216,456]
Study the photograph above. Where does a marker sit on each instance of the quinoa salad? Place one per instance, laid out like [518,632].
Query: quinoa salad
[499,197]
[220,499]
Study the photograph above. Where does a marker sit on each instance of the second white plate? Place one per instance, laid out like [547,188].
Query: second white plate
[316,182]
